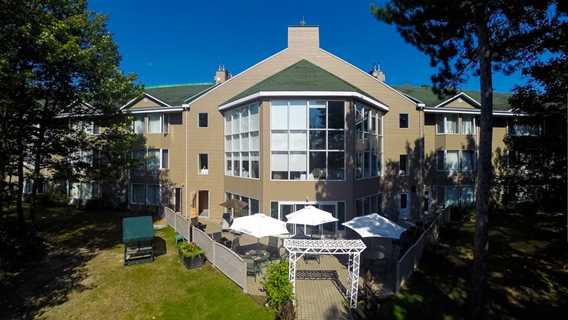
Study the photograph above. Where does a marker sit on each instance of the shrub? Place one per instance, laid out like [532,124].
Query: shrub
[277,286]
[287,312]
[189,250]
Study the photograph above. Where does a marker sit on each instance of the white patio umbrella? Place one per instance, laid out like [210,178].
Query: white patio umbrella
[259,225]
[375,225]
[311,216]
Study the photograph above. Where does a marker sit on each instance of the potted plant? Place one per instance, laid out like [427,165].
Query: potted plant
[191,255]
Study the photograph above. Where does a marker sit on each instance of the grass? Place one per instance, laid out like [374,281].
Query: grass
[528,271]
[83,277]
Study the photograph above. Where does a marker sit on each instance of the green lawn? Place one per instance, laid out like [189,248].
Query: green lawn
[83,277]
[528,271]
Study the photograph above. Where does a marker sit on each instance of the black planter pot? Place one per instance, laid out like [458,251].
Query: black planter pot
[193,262]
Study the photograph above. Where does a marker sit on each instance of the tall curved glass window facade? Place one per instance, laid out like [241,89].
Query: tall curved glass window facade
[307,139]
[242,142]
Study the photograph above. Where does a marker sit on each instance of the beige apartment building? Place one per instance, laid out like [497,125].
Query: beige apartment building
[304,127]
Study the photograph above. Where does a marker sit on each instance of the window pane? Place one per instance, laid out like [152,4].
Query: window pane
[254,165]
[467,124]
[317,118]
[253,117]
[452,160]
[336,114]
[279,161]
[359,165]
[298,140]
[335,165]
[235,123]
[236,163]
[467,160]
[228,122]
[452,123]
[154,123]
[203,121]
[403,120]
[374,164]
[165,159]
[245,164]
[236,142]
[254,207]
[153,194]
[279,115]
[138,193]
[203,163]
[317,140]
[335,140]
[317,165]
[274,209]
[298,161]
[279,140]
[298,114]
[403,200]
[244,120]
[139,125]
[440,124]
[153,161]
[403,164]
[254,141]
[228,164]
[244,142]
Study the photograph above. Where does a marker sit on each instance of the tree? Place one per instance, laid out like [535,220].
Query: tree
[56,58]
[475,37]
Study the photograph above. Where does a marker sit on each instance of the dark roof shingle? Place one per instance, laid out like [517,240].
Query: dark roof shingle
[176,94]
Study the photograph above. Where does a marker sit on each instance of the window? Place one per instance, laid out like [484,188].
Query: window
[153,161]
[139,163]
[138,193]
[139,125]
[307,140]
[457,195]
[203,164]
[242,142]
[252,204]
[178,200]
[525,127]
[369,204]
[455,160]
[279,210]
[448,124]
[403,165]
[154,123]
[368,127]
[467,124]
[203,120]
[165,123]
[403,120]
[153,194]
[165,159]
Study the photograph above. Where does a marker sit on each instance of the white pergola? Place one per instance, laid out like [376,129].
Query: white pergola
[298,247]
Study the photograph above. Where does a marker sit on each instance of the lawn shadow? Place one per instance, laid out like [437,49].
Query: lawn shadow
[160,246]
[73,237]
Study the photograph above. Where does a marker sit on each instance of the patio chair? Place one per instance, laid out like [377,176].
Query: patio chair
[252,268]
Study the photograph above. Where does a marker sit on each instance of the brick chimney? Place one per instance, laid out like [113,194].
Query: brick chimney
[303,37]
[222,74]
[377,72]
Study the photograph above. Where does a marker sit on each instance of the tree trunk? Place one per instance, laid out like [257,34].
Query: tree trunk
[20,169]
[37,178]
[479,301]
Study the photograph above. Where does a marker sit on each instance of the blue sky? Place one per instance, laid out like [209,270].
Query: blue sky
[168,42]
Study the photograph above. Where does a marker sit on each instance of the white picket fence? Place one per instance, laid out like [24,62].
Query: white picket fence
[411,258]
[223,258]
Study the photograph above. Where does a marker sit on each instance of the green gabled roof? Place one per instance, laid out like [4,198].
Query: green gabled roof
[176,94]
[424,94]
[301,76]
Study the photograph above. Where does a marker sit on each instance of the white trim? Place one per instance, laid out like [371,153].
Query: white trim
[457,96]
[147,95]
[156,110]
[469,111]
[370,76]
[237,76]
[259,94]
